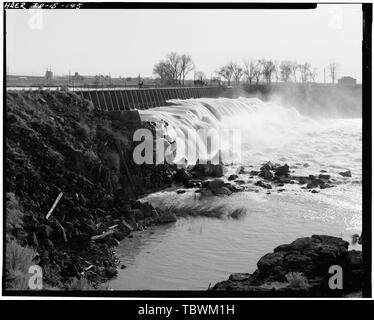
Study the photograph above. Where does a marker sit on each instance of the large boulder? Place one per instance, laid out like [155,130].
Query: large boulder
[299,263]
[182,176]
[270,261]
[301,267]
[282,170]
[208,170]
[346,173]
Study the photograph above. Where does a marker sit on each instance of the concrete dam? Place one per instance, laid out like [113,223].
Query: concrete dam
[317,99]
[130,99]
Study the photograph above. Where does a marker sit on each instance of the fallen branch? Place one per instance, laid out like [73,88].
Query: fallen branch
[88,268]
[54,205]
[103,235]
[63,230]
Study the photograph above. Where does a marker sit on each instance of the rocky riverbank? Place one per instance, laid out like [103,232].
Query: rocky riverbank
[301,268]
[72,189]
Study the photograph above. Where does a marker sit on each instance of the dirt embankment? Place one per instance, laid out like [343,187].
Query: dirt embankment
[58,146]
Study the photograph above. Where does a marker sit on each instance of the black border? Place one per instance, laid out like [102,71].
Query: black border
[366,143]
[173,5]
[367,10]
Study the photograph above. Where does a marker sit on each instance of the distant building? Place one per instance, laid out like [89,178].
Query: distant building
[347,81]
[48,74]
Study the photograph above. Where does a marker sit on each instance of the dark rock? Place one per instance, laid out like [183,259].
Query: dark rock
[111,272]
[222,191]
[302,266]
[238,213]
[346,174]
[325,186]
[269,261]
[324,176]
[266,174]
[254,173]
[193,183]
[239,276]
[182,176]
[119,235]
[263,185]
[90,227]
[299,263]
[208,170]
[216,184]
[138,214]
[44,231]
[241,170]
[168,218]
[282,170]
[232,177]
[125,227]
[333,241]
[284,248]
[181,191]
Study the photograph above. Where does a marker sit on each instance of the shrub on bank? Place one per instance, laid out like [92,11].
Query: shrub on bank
[18,261]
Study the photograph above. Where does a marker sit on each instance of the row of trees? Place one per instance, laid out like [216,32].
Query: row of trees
[253,71]
[175,67]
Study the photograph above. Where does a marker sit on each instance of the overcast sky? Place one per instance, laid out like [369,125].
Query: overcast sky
[129,42]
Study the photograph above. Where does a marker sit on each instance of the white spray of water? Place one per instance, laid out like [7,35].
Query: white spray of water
[268,131]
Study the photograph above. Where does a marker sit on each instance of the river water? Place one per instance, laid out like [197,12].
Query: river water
[198,251]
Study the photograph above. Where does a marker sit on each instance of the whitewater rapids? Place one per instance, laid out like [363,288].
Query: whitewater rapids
[197,251]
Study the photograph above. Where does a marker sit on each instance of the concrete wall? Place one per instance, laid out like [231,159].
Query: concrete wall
[130,99]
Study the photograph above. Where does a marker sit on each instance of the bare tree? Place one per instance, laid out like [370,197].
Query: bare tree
[294,70]
[268,69]
[186,66]
[174,68]
[237,72]
[276,70]
[285,70]
[199,75]
[313,75]
[256,71]
[200,78]
[247,70]
[174,62]
[333,66]
[164,71]
[227,72]
[305,71]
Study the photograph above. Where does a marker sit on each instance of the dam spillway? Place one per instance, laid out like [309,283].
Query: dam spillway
[308,98]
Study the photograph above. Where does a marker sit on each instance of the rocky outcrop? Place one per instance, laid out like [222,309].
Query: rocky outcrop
[301,268]
[59,146]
